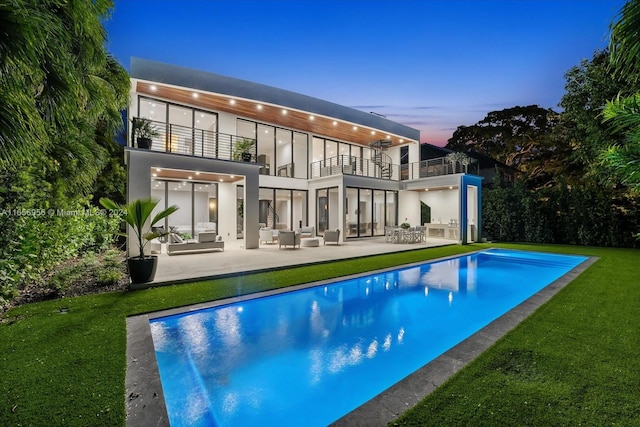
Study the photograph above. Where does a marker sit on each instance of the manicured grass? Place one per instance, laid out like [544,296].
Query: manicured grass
[573,362]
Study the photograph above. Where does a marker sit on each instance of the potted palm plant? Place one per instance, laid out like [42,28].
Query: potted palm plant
[243,148]
[143,131]
[142,268]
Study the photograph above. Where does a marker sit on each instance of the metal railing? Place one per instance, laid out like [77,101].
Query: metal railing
[201,143]
[437,167]
[350,165]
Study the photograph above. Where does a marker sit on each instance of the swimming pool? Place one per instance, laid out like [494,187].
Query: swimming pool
[310,356]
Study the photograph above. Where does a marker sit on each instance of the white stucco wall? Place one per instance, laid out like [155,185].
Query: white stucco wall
[409,207]
[443,204]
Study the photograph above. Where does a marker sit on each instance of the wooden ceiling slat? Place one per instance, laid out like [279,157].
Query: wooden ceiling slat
[297,120]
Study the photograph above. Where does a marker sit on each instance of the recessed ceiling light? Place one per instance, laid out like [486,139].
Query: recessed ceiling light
[335,123]
[221,180]
[190,177]
[311,118]
[355,128]
[388,136]
[158,169]
[450,187]
[402,140]
[284,112]
[232,102]
[153,87]
[259,107]
[373,132]
[197,173]
[195,95]
[155,174]
[426,189]
[232,176]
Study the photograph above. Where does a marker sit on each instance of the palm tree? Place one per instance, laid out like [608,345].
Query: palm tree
[623,113]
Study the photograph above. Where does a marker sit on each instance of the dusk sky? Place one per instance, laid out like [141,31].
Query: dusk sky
[432,64]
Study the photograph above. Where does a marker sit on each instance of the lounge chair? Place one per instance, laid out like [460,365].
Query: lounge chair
[268,235]
[206,242]
[332,236]
[307,231]
[288,238]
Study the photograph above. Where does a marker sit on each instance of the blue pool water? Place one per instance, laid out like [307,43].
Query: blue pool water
[309,357]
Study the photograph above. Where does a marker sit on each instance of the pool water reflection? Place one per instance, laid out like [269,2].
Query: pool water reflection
[309,357]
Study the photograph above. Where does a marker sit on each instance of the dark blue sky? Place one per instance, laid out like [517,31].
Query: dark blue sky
[430,64]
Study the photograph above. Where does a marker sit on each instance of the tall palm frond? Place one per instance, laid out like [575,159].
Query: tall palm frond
[624,43]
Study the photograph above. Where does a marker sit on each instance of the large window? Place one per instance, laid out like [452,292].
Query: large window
[198,203]
[282,209]
[327,209]
[279,149]
[181,129]
[367,211]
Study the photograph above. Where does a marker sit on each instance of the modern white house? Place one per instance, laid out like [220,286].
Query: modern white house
[236,156]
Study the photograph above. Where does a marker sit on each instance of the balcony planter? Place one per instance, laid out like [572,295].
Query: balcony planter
[144,143]
[242,149]
[143,130]
[142,268]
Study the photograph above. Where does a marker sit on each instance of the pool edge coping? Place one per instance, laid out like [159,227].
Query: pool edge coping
[145,404]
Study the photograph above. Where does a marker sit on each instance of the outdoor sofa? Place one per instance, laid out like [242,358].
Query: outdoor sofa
[207,241]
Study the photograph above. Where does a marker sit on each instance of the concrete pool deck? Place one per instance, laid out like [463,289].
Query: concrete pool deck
[145,400]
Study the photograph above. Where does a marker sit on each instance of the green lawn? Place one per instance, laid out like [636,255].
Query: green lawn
[574,361]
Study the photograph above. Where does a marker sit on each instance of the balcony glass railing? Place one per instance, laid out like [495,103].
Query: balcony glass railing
[188,141]
[437,167]
[350,165]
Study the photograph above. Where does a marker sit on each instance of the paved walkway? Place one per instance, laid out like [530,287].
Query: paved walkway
[235,259]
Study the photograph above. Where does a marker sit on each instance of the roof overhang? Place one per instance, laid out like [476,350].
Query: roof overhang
[265,104]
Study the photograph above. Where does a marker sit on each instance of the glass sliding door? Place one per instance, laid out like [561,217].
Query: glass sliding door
[334,214]
[351,212]
[240,212]
[322,209]
[378,213]
[284,153]
[364,213]
[300,158]
[391,209]
[180,136]
[266,154]
[317,158]
[205,134]
[300,216]
[284,210]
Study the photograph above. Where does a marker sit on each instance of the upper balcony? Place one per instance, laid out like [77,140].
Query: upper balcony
[177,139]
[381,167]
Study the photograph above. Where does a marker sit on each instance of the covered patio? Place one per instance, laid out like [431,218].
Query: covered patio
[234,259]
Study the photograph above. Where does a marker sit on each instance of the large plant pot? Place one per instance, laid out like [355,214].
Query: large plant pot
[144,142]
[142,270]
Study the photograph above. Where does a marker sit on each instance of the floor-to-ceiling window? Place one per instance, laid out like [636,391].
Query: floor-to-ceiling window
[379,206]
[182,129]
[282,209]
[351,212]
[197,202]
[300,158]
[279,149]
[327,213]
[367,211]
[391,212]
[284,154]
